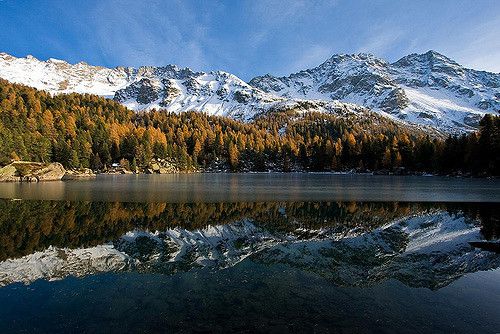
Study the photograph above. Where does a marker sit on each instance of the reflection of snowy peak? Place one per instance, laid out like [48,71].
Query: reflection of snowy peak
[430,250]
[427,89]
[56,263]
[420,88]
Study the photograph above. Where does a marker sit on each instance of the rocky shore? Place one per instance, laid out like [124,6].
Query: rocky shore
[79,174]
[155,166]
[26,171]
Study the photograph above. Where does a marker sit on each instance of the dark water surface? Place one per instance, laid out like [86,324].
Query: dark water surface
[250,253]
[259,187]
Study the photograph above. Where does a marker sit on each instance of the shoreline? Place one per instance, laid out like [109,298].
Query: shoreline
[290,172]
[29,172]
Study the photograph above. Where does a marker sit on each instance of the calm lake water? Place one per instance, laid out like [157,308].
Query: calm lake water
[250,253]
[259,187]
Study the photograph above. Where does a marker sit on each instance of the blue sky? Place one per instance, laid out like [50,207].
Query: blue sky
[249,38]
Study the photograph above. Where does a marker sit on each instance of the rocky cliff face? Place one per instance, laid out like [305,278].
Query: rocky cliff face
[360,79]
[217,93]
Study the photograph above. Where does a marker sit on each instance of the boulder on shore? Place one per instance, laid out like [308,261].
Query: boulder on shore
[161,167]
[26,171]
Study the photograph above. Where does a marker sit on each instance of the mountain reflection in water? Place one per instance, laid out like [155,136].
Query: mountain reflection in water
[348,243]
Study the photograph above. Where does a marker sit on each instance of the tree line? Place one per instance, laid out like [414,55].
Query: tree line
[82,130]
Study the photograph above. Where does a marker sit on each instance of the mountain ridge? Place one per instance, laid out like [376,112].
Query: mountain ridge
[427,88]
[424,89]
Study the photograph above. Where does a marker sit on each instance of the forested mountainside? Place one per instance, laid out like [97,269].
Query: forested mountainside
[424,89]
[82,130]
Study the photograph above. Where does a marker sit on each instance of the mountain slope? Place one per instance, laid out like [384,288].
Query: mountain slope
[147,87]
[428,88]
[216,93]
[57,76]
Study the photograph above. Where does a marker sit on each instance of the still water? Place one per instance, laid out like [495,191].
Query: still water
[259,187]
[250,253]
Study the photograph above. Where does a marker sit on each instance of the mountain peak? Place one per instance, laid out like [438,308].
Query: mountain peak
[434,53]
[436,56]
[56,61]
[339,57]
[431,57]
[356,59]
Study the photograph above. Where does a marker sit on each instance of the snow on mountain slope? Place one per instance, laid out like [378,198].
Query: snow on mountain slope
[439,109]
[147,87]
[57,76]
[424,250]
[216,93]
[428,88]
[439,88]
[357,79]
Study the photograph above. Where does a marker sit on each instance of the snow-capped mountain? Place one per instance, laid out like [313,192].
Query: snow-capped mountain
[216,93]
[147,87]
[58,76]
[427,89]
[425,250]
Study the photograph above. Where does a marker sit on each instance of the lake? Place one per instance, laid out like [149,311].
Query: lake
[250,253]
[225,187]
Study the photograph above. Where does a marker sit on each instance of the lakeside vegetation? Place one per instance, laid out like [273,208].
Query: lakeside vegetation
[87,131]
